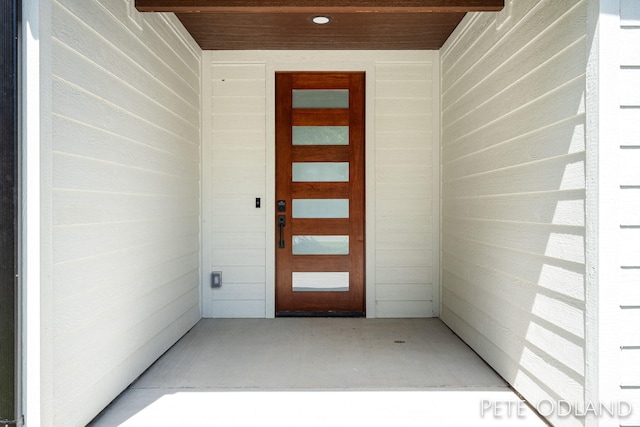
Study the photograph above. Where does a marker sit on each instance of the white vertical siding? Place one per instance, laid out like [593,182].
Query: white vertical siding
[239,166]
[513,194]
[125,199]
[629,296]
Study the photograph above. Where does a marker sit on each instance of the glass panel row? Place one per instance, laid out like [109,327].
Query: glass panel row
[323,282]
[320,245]
[320,98]
[320,135]
[320,208]
[320,171]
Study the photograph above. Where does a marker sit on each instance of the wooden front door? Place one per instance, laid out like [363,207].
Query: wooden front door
[320,205]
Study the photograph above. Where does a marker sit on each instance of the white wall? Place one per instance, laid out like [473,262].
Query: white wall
[239,165]
[615,130]
[122,232]
[513,205]
[629,297]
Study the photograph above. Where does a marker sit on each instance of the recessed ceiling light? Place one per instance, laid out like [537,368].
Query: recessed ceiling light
[321,20]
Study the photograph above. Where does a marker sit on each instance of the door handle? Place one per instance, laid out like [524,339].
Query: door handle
[282,221]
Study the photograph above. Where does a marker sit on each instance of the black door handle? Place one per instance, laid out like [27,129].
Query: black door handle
[282,221]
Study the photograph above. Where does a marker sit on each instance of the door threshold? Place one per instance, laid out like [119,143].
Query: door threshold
[320,314]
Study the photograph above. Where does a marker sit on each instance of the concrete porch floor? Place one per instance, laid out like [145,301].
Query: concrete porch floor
[318,372]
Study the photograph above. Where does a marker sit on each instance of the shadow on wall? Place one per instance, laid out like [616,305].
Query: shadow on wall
[514,205]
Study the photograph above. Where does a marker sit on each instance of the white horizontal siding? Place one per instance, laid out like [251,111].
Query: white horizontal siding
[235,115]
[239,165]
[629,161]
[125,199]
[513,194]
[404,179]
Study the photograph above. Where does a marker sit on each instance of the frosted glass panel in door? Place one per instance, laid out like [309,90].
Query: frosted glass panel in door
[320,208]
[321,282]
[321,245]
[320,135]
[320,172]
[320,98]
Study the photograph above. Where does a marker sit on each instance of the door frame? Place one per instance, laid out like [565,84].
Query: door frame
[351,302]
[346,61]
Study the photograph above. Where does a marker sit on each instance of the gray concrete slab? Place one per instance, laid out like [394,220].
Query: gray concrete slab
[239,372]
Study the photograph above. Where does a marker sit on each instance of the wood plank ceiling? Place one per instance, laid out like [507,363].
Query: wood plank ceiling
[287,25]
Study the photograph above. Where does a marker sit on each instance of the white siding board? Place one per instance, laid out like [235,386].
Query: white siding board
[112,60]
[501,98]
[404,71]
[547,370]
[414,224]
[554,207]
[414,292]
[389,140]
[87,275]
[224,122]
[96,317]
[400,241]
[73,208]
[395,106]
[631,368]
[87,174]
[564,278]
[629,78]
[482,51]
[237,291]
[631,335]
[400,309]
[507,303]
[239,87]
[531,116]
[244,308]
[238,105]
[628,296]
[406,191]
[630,127]
[135,41]
[513,194]
[238,140]
[404,275]
[556,140]
[239,256]
[243,71]
[403,257]
[629,248]
[400,88]
[108,237]
[100,144]
[630,287]
[558,242]
[562,173]
[79,396]
[103,115]
[629,166]
[125,197]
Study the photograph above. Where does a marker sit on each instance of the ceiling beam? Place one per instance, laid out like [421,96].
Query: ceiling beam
[318,6]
